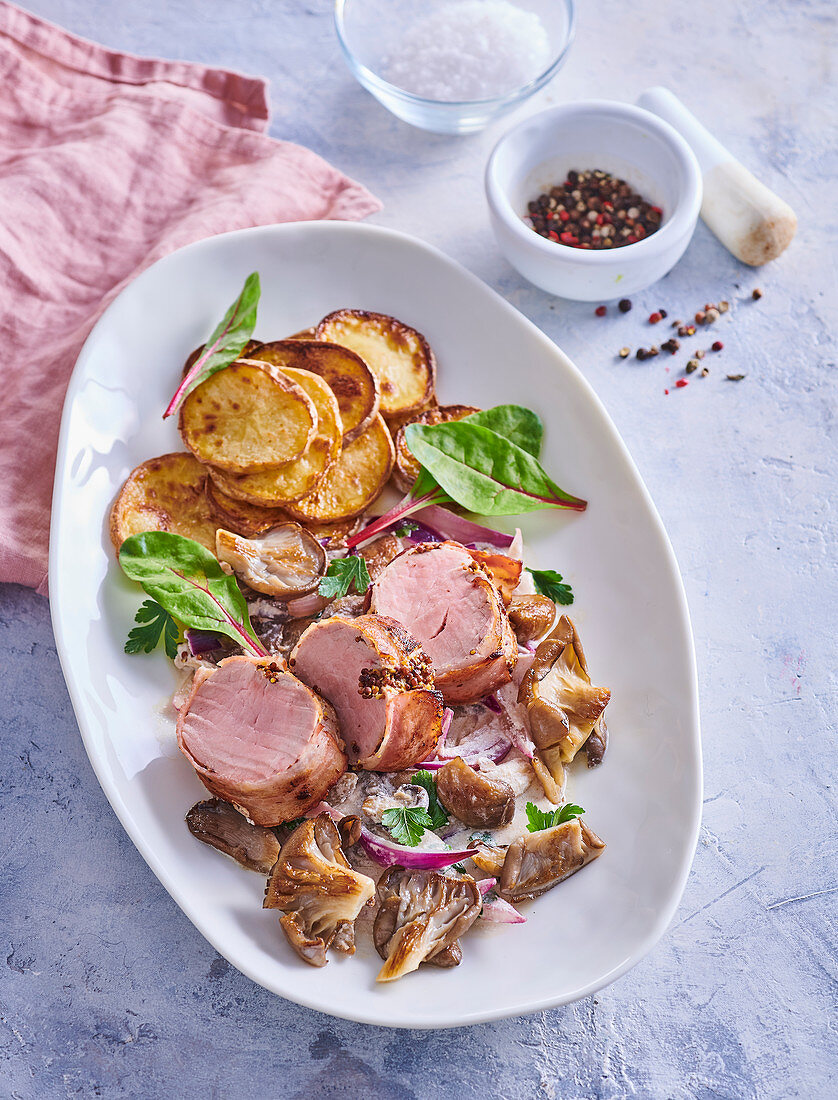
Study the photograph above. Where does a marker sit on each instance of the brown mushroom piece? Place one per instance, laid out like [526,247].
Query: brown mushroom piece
[220,825]
[287,562]
[563,706]
[318,891]
[487,856]
[537,862]
[478,800]
[531,617]
[421,916]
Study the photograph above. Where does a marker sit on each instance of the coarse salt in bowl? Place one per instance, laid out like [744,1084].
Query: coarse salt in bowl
[451,66]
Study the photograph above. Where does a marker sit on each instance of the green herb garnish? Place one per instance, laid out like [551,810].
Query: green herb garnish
[436,812]
[546,819]
[486,463]
[154,623]
[405,528]
[226,343]
[406,825]
[482,838]
[343,574]
[551,584]
[187,581]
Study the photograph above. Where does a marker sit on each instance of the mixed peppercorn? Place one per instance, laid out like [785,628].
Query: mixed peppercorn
[593,209]
[708,316]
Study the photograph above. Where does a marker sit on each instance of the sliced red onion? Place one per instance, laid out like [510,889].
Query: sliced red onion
[496,909]
[201,642]
[304,606]
[521,741]
[451,526]
[501,912]
[388,853]
[493,747]
[491,703]
[421,533]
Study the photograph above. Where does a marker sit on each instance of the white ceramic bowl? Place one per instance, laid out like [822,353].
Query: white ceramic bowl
[626,141]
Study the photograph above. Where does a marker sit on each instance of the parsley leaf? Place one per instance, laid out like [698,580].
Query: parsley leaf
[546,819]
[154,623]
[343,574]
[549,583]
[405,527]
[482,838]
[436,812]
[406,825]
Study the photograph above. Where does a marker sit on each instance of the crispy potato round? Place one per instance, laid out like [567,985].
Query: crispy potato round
[398,355]
[247,418]
[250,346]
[240,517]
[298,478]
[407,468]
[355,480]
[398,420]
[165,494]
[304,334]
[350,379]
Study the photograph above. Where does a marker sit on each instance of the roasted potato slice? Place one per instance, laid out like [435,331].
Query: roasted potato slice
[247,418]
[350,379]
[300,477]
[355,480]
[407,468]
[304,334]
[245,519]
[249,347]
[165,494]
[398,420]
[398,355]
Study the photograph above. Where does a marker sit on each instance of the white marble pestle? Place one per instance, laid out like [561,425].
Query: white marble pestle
[748,218]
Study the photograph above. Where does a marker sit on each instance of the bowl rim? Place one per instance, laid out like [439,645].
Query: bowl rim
[683,217]
[371,79]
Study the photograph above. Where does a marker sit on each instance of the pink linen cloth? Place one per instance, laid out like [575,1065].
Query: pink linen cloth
[107,163]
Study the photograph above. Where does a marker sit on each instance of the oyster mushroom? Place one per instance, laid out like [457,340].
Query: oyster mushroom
[287,562]
[319,893]
[537,862]
[476,799]
[531,616]
[563,706]
[221,825]
[421,916]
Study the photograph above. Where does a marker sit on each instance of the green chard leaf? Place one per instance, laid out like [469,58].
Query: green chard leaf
[406,825]
[551,584]
[154,623]
[546,819]
[187,581]
[226,343]
[482,471]
[344,574]
[436,812]
[515,423]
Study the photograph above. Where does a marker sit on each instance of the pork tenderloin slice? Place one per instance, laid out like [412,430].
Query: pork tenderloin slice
[259,738]
[446,600]
[380,683]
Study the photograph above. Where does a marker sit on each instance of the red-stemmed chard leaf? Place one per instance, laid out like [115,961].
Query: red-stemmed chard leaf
[187,581]
[226,343]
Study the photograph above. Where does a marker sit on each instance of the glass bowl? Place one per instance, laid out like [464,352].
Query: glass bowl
[369,32]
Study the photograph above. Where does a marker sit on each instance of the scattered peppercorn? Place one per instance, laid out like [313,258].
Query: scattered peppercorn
[595,210]
[699,318]
[641,354]
[704,372]
[723,307]
[655,317]
[624,305]
[734,377]
[624,353]
[756,294]
[711,316]
[663,313]
[600,311]
[717,345]
[692,366]
[654,350]
[681,383]
[699,354]
[671,345]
